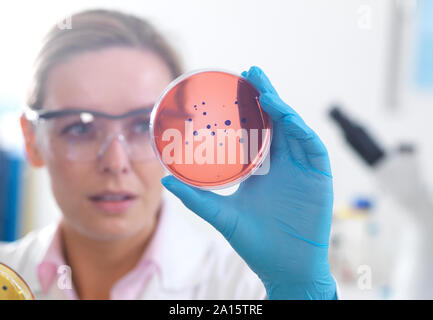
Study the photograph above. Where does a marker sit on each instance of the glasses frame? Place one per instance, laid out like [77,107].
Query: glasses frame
[36,115]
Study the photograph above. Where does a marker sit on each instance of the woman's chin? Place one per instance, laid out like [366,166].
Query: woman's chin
[108,229]
[115,230]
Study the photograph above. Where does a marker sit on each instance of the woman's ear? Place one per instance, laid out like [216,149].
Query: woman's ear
[32,150]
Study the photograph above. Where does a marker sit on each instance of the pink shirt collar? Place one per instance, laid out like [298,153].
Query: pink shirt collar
[128,287]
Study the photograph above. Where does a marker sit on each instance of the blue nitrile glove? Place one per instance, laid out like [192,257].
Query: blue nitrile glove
[278,223]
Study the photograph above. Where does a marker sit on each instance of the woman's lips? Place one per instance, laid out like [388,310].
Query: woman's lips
[113,202]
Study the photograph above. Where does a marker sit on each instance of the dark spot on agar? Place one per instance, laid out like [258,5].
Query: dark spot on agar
[189,119]
[195,132]
[236,102]
[186,142]
[208,126]
[204,113]
[4,288]
[212,133]
[227,122]
[243,120]
[215,124]
[203,103]
[221,143]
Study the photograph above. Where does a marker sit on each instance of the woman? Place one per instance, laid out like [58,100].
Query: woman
[117,237]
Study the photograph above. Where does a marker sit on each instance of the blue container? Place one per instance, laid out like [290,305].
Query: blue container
[11,177]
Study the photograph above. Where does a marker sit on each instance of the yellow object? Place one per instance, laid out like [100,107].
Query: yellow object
[12,286]
[346,212]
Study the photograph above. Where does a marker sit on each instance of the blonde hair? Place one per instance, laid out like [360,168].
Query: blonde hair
[95,30]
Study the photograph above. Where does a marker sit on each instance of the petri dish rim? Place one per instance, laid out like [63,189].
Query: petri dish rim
[266,146]
[28,294]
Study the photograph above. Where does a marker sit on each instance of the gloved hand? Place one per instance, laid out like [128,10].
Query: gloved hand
[278,223]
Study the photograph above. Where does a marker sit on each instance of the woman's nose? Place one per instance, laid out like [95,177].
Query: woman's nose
[113,157]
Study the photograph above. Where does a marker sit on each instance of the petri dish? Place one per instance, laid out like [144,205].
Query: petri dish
[12,286]
[209,130]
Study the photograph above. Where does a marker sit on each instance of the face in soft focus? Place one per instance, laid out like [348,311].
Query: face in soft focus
[115,81]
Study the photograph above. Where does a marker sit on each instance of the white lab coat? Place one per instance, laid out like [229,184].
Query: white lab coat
[194,266]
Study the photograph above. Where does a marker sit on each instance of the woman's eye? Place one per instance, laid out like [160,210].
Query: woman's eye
[77,129]
[141,127]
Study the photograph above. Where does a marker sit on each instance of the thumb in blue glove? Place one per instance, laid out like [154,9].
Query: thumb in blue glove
[278,223]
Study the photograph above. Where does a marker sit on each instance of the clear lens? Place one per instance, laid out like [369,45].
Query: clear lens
[84,137]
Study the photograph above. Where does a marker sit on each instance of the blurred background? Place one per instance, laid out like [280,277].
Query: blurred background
[359,72]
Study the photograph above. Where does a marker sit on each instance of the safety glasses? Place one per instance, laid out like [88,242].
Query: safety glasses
[83,135]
